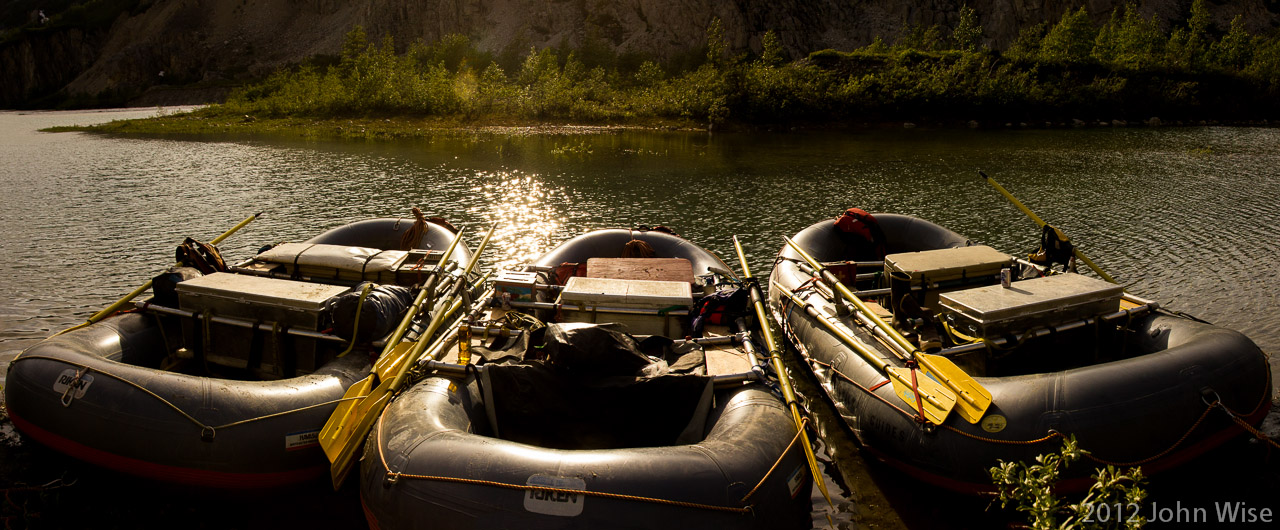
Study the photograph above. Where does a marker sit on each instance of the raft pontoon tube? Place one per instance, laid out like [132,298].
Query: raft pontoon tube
[432,461]
[1140,388]
[100,394]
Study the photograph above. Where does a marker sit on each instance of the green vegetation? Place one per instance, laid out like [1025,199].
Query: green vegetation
[1126,68]
[1113,501]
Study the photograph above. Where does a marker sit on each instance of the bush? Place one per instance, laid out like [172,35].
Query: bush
[1028,487]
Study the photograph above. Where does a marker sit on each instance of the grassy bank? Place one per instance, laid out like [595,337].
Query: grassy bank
[1074,71]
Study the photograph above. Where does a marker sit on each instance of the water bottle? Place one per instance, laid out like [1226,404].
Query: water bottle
[464,343]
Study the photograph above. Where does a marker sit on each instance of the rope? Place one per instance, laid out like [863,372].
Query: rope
[1052,434]
[1161,453]
[192,419]
[1255,432]
[394,476]
[355,326]
[794,439]
[413,235]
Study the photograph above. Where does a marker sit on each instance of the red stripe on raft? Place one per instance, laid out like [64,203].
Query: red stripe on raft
[167,473]
[1068,485]
[368,515]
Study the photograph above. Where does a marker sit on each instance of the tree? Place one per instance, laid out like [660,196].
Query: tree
[773,54]
[1188,47]
[1071,40]
[1235,50]
[716,45]
[1128,40]
[967,35]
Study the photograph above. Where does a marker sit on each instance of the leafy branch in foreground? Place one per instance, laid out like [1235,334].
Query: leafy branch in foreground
[1113,501]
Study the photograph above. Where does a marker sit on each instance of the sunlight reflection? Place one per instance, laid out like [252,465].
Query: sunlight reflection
[527,211]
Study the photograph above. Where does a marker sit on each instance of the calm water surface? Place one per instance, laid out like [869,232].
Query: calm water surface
[1183,216]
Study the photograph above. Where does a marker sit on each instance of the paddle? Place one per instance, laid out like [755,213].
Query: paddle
[349,430]
[973,397]
[1040,222]
[932,400]
[775,358]
[361,388]
[111,309]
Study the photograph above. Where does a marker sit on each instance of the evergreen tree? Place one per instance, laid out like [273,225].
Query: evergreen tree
[1235,50]
[1071,40]
[1188,47]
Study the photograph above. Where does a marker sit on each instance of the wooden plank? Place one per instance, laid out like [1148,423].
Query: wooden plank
[724,361]
[658,269]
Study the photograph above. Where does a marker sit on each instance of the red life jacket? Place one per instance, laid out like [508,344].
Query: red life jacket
[858,222]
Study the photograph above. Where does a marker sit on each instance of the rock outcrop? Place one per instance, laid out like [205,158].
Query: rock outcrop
[180,42]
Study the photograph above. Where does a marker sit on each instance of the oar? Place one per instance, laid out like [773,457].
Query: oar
[1040,222]
[923,394]
[361,388]
[351,430]
[775,358]
[111,309]
[973,397]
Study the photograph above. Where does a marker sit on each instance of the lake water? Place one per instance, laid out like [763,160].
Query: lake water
[1185,216]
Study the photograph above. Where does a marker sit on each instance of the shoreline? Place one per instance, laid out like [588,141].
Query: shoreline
[200,122]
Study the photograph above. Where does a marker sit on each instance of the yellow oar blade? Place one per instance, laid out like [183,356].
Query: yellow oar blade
[934,400]
[972,398]
[388,364]
[350,402]
[369,410]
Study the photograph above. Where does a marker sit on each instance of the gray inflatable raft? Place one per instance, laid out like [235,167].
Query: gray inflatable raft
[541,445]
[105,393]
[1134,385]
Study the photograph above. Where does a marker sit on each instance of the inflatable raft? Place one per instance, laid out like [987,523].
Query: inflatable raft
[600,419]
[1059,354]
[225,379]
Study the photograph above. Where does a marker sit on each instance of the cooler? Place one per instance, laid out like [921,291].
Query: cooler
[286,303]
[987,312]
[928,273]
[645,307]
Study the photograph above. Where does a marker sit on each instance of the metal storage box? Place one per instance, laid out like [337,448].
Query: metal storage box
[515,286]
[1052,300]
[289,304]
[412,269]
[931,272]
[645,307]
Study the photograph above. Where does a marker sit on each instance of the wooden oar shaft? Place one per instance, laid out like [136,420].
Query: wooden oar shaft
[1017,203]
[860,348]
[762,317]
[111,309]
[1041,222]
[844,292]
[775,359]
[438,319]
[906,349]
[423,294]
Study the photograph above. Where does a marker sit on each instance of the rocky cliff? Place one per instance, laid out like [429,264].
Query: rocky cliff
[162,44]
